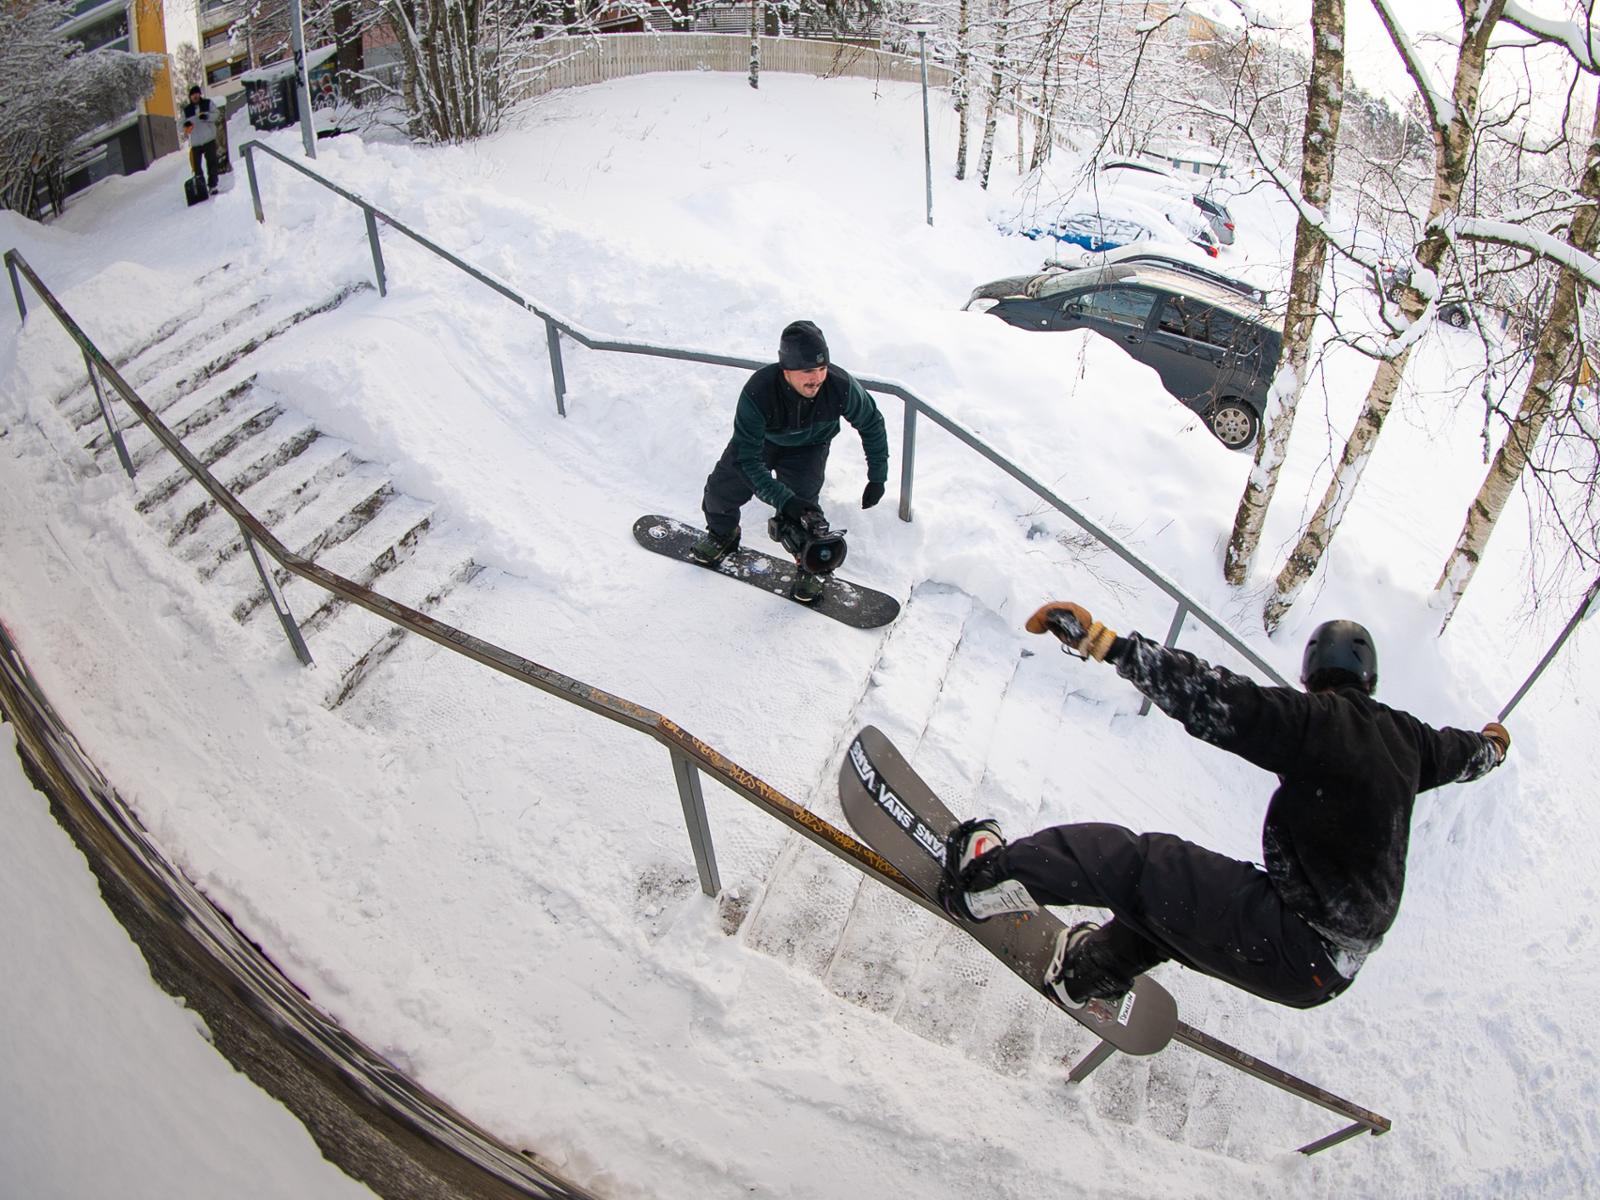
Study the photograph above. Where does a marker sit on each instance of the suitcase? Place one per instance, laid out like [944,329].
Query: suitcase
[194,190]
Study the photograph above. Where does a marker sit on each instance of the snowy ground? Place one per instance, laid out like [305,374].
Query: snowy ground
[496,891]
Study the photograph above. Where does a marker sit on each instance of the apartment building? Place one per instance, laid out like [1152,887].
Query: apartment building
[224,43]
[138,138]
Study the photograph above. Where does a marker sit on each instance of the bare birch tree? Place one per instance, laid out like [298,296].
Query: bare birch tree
[997,83]
[961,86]
[1324,105]
[758,18]
[1556,360]
[1452,119]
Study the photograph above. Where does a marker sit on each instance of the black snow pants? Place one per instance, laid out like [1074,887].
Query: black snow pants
[1171,899]
[799,468]
[205,155]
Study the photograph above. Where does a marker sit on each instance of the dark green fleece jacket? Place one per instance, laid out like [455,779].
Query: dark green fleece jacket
[772,411]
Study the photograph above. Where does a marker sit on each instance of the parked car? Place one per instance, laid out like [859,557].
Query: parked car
[1093,231]
[1217,213]
[1161,256]
[1157,178]
[1454,311]
[1110,228]
[1214,349]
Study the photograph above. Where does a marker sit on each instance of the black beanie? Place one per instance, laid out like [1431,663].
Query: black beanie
[802,347]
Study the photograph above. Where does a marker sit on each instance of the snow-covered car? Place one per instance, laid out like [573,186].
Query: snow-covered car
[1094,231]
[1215,350]
[1123,223]
[1157,178]
[1177,257]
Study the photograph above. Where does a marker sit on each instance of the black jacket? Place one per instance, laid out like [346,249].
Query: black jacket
[1337,829]
[772,411]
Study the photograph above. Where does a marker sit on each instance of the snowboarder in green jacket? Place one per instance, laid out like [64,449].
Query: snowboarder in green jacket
[788,415]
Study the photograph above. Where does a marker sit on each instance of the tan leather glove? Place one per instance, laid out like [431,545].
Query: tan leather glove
[1078,631]
[1500,736]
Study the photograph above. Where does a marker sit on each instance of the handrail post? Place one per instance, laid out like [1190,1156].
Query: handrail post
[377,249]
[255,188]
[279,604]
[105,413]
[552,337]
[16,289]
[1090,1061]
[694,816]
[908,458]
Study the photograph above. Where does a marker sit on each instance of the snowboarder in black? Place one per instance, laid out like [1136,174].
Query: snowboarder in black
[1334,840]
[788,414]
[200,119]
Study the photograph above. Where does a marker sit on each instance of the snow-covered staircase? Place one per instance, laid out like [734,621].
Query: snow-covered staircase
[313,491]
[982,712]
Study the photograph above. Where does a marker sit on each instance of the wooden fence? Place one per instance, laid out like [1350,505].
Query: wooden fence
[571,62]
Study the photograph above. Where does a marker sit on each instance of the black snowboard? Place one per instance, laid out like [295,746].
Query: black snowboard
[896,814]
[194,190]
[843,601]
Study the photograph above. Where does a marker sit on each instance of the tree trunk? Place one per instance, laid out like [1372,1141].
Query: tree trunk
[962,89]
[1452,148]
[1042,133]
[757,17]
[350,55]
[1016,102]
[996,84]
[1555,360]
[1324,106]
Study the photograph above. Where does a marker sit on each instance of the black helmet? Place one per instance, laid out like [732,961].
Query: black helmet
[1344,647]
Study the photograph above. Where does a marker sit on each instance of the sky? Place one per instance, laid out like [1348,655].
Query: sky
[1433,26]
[495,890]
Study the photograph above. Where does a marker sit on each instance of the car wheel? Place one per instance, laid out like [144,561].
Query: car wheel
[1456,315]
[1234,423]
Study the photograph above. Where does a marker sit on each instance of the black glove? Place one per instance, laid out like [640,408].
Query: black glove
[796,509]
[872,494]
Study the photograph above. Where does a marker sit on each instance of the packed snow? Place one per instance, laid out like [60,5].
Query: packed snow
[495,890]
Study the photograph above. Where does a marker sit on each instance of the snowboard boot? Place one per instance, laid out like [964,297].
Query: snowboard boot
[1059,975]
[808,588]
[713,548]
[974,887]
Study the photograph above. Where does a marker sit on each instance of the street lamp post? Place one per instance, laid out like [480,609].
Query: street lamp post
[922,29]
[302,86]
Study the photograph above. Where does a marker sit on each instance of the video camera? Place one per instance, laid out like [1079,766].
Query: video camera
[817,549]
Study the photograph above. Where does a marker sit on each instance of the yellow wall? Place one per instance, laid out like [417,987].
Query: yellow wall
[150,36]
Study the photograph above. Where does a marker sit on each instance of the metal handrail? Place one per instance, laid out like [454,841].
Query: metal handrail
[914,404]
[689,755]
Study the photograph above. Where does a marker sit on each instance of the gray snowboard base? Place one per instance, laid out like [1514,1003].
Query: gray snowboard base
[846,602]
[898,815]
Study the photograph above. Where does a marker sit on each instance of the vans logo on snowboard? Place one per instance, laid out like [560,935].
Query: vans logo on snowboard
[893,805]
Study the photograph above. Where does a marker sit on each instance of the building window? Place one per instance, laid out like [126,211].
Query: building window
[108,34]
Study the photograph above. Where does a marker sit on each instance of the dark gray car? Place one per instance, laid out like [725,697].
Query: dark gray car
[1214,349]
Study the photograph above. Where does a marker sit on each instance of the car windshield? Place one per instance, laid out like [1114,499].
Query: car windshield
[1056,282]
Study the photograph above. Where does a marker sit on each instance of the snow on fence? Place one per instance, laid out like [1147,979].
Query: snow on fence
[572,62]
